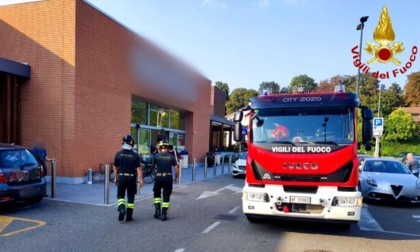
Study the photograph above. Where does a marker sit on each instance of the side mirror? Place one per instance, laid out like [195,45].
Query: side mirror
[238,131]
[367,114]
[238,117]
[367,128]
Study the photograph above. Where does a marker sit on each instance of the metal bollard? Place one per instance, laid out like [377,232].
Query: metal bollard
[205,167]
[193,170]
[180,175]
[106,188]
[214,169]
[53,178]
[89,176]
[223,165]
[230,163]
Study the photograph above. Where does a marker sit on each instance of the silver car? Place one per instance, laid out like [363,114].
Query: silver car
[388,179]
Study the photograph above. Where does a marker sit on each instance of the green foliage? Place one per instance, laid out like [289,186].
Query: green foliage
[390,99]
[285,90]
[223,86]
[392,148]
[273,86]
[412,90]
[400,126]
[368,89]
[239,98]
[304,81]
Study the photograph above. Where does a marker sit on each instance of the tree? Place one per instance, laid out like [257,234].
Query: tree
[223,86]
[400,126]
[390,99]
[273,86]
[328,85]
[239,98]
[368,89]
[304,81]
[412,90]
[285,90]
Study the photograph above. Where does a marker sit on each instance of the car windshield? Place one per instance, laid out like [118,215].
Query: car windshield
[244,155]
[300,125]
[386,166]
[16,158]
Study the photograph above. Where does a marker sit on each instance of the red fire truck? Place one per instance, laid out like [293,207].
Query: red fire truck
[302,156]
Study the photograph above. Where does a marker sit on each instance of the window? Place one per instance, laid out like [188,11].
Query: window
[334,125]
[152,115]
[139,112]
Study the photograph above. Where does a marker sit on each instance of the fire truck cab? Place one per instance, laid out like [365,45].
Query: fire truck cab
[302,156]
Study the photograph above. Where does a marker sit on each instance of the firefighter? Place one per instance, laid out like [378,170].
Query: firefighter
[164,179]
[126,169]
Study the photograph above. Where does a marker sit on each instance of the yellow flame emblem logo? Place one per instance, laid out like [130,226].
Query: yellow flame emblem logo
[384,35]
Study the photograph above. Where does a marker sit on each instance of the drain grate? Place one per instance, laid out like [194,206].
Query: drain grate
[228,217]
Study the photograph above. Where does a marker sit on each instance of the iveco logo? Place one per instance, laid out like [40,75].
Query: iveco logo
[300,166]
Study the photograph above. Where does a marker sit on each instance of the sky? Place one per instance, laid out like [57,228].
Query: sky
[246,42]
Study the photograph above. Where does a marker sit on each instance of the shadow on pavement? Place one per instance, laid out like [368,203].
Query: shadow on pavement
[322,228]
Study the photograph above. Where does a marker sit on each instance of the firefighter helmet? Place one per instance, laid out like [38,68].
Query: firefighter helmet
[128,139]
[163,144]
[280,132]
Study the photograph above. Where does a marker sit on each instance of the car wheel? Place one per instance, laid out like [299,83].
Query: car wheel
[34,201]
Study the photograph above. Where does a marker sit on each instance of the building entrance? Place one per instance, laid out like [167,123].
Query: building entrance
[8,109]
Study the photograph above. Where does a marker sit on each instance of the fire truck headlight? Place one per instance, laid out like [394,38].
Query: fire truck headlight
[254,196]
[348,201]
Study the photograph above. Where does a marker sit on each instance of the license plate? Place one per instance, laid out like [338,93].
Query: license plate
[300,200]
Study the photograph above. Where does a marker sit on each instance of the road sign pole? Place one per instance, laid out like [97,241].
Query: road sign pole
[377,146]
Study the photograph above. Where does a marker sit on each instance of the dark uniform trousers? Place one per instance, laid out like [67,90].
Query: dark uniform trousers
[164,182]
[128,183]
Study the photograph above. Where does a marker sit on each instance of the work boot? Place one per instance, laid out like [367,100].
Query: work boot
[157,210]
[164,213]
[129,216]
[121,210]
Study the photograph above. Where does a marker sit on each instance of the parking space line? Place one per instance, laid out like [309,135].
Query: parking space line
[368,222]
[180,250]
[211,227]
[234,210]
[6,221]
[401,233]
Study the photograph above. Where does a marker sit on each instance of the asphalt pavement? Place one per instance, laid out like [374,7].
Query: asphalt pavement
[204,216]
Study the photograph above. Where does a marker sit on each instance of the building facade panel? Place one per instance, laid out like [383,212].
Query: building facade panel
[42,34]
[86,70]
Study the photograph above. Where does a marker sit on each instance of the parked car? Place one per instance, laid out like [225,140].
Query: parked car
[362,158]
[21,177]
[239,167]
[388,179]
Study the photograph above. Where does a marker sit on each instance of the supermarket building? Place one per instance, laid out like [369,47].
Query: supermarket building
[80,80]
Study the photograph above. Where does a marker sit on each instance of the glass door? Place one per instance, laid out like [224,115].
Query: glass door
[144,145]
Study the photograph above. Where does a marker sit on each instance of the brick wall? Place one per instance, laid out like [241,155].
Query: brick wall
[218,98]
[42,34]
[84,74]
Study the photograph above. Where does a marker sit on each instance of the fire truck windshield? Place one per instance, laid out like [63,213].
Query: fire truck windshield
[303,125]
